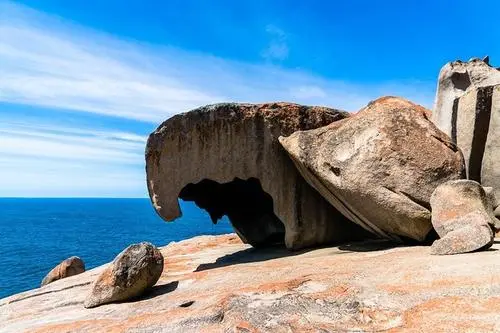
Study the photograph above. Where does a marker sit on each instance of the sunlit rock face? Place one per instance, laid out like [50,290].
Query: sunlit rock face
[218,284]
[380,166]
[467,108]
[455,79]
[227,159]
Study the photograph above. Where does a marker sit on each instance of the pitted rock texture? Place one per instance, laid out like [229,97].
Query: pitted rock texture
[68,267]
[218,284]
[380,166]
[135,270]
[455,79]
[462,215]
[227,159]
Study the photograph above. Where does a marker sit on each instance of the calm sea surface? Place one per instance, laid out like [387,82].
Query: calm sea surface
[36,234]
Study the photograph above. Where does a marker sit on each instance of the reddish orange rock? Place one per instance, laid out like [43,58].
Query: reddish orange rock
[68,267]
[218,284]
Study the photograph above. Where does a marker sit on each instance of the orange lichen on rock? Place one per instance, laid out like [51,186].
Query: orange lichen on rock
[217,284]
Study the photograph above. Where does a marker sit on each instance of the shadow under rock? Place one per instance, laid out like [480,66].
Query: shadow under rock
[251,255]
[384,244]
[371,245]
[159,290]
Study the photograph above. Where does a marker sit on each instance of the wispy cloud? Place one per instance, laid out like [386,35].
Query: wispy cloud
[47,63]
[278,46]
[50,160]
[50,63]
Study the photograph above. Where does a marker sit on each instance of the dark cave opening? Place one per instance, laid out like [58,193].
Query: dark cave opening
[245,203]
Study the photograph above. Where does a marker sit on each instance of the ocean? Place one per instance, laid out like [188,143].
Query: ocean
[37,234]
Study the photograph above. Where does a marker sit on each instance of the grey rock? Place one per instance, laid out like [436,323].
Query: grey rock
[132,272]
[491,197]
[227,159]
[455,79]
[68,267]
[495,207]
[462,216]
[497,221]
[477,133]
[467,108]
[380,166]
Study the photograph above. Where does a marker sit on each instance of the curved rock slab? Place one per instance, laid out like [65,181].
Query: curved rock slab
[380,166]
[462,215]
[68,267]
[455,79]
[134,270]
[227,159]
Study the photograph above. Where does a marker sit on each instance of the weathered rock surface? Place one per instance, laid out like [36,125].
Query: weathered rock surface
[495,206]
[491,197]
[134,270]
[227,159]
[477,133]
[467,108]
[455,79]
[462,215]
[380,166]
[218,284]
[68,267]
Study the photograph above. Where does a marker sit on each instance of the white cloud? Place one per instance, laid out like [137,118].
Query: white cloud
[56,178]
[71,144]
[55,161]
[50,63]
[47,62]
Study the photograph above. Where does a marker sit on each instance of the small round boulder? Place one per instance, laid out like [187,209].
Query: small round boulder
[133,271]
[68,267]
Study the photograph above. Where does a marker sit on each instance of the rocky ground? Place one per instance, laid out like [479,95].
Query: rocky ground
[218,284]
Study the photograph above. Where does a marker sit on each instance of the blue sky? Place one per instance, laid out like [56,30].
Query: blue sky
[82,83]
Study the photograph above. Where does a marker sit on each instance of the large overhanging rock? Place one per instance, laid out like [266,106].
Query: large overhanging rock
[455,79]
[380,166]
[227,159]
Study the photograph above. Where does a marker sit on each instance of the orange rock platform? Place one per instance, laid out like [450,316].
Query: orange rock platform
[218,284]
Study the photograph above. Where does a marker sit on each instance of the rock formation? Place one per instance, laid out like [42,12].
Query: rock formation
[134,270]
[218,284]
[227,159]
[477,133]
[380,166]
[462,215]
[467,108]
[455,79]
[68,267]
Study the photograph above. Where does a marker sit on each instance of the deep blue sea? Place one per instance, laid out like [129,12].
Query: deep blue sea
[37,234]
